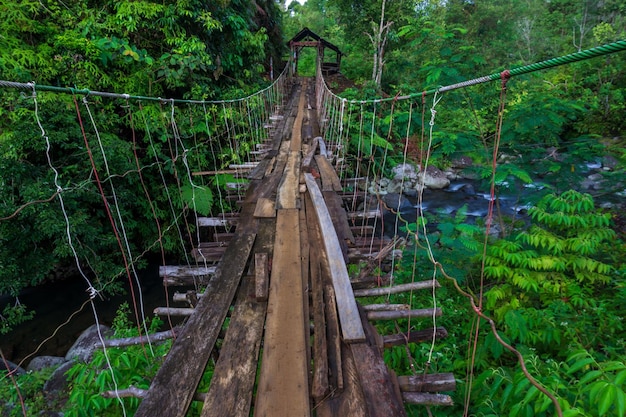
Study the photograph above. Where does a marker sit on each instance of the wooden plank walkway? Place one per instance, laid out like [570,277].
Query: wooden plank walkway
[279,316]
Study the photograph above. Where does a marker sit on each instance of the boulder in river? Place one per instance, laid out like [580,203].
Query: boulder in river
[10,366]
[87,343]
[58,380]
[41,362]
[397,202]
[434,178]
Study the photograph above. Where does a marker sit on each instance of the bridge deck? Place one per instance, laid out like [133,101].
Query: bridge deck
[282,293]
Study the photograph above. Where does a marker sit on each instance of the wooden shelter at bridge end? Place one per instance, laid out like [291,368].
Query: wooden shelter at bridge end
[307,38]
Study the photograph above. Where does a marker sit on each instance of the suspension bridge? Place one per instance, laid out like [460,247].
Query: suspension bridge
[265,288]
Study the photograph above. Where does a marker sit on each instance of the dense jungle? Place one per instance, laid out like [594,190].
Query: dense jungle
[551,276]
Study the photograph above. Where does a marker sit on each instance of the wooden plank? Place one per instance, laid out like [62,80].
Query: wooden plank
[216,172]
[396,289]
[403,314]
[386,307]
[350,402]
[223,221]
[338,214]
[289,190]
[425,398]
[176,271]
[232,384]
[330,180]
[259,171]
[351,326]
[415,336]
[261,275]
[427,382]
[379,389]
[306,161]
[362,231]
[223,237]
[172,311]
[173,386]
[319,385]
[208,254]
[368,214]
[305,256]
[335,356]
[296,133]
[265,207]
[268,187]
[283,388]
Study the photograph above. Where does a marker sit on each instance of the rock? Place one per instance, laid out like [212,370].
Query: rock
[609,162]
[379,186]
[58,381]
[593,182]
[451,174]
[462,162]
[8,365]
[397,202]
[86,344]
[406,171]
[40,362]
[434,178]
[371,204]
[396,186]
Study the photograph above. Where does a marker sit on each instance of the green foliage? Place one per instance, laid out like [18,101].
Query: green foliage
[12,315]
[560,258]
[29,387]
[120,367]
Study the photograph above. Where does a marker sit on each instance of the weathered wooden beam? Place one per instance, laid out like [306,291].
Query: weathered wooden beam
[260,170]
[377,381]
[306,161]
[186,275]
[216,172]
[145,339]
[173,311]
[416,336]
[223,221]
[425,398]
[189,296]
[364,214]
[386,307]
[362,231]
[288,189]
[350,402]
[335,353]
[330,180]
[173,386]
[320,386]
[261,275]
[283,388]
[265,207]
[351,326]
[396,289]
[208,254]
[232,383]
[427,383]
[176,271]
[403,314]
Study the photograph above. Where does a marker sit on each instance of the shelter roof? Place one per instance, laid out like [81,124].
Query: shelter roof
[307,34]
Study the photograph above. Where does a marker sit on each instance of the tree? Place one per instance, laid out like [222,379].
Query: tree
[379,39]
